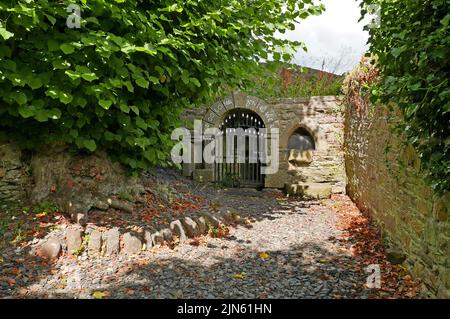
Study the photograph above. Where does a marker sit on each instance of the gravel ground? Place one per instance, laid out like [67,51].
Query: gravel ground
[290,249]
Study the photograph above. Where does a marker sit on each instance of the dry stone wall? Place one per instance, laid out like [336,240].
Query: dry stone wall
[14,175]
[384,179]
[74,183]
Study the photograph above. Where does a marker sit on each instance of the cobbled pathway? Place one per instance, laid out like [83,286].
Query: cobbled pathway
[289,250]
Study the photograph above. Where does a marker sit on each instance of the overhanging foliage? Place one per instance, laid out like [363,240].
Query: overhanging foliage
[412,46]
[120,81]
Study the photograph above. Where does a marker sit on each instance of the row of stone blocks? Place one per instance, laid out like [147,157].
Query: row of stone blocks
[110,242]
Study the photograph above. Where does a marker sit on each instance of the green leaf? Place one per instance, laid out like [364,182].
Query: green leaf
[90,145]
[109,136]
[5,33]
[41,116]
[35,82]
[195,82]
[142,83]
[124,108]
[72,74]
[60,64]
[26,111]
[80,101]
[141,123]
[54,114]
[67,48]
[89,76]
[65,98]
[116,82]
[73,133]
[154,80]
[50,18]
[135,109]
[106,104]
[19,97]
[53,45]
[129,86]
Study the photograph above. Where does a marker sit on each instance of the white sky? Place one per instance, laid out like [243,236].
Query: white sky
[335,37]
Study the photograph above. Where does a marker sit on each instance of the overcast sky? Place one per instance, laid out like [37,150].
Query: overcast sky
[335,37]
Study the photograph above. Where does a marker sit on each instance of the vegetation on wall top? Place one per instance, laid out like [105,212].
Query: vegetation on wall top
[358,83]
[285,80]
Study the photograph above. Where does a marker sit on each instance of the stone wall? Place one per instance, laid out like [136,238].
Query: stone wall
[74,183]
[385,180]
[323,118]
[320,171]
[14,175]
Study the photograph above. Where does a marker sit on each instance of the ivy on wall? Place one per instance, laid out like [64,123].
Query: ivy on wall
[411,42]
[120,81]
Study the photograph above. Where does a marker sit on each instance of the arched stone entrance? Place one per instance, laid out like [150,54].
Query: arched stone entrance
[316,118]
[216,114]
[249,113]
[243,169]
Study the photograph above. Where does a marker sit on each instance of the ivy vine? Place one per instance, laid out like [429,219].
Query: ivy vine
[411,43]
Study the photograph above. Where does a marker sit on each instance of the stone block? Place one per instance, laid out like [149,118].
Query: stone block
[177,229]
[131,244]
[157,238]
[190,227]
[188,169]
[277,180]
[210,219]
[73,239]
[240,99]
[148,239]
[113,241]
[395,256]
[202,225]
[440,210]
[95,242]
[298,158]
[309,191]
[167,234]
[50,249]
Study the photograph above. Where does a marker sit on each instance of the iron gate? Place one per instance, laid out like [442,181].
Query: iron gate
[247,173]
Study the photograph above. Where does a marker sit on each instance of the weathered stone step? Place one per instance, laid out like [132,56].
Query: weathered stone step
[309,190]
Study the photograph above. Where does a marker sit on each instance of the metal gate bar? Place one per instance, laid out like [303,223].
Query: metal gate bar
[240,174]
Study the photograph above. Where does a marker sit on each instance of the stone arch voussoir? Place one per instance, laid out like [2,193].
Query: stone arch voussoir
[238,100]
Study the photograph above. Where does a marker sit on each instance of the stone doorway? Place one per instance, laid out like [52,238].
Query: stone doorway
[233,172]
[310,134]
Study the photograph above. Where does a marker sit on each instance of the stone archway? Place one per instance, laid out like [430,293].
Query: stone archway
[217,112]
[245,169]
[322,165]
[215,117]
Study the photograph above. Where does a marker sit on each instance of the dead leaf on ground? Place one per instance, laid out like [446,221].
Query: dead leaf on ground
[101,294]
[239,276]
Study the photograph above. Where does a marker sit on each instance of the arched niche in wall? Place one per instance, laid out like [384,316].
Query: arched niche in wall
[300,142]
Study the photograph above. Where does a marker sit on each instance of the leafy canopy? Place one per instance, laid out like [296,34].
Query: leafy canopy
[120,81]
[412,46]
